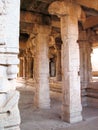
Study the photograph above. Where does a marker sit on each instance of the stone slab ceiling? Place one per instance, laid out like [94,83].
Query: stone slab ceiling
[38,6]
[41,7]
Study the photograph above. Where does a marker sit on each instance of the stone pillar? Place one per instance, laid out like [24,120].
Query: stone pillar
[9,48]
[31,66]
[69,13]
[21,67]
[41,67]
[58,65]
[24,68]
[28,62]
[27,67]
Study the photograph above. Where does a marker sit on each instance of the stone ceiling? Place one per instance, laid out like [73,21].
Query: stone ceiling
[40,7]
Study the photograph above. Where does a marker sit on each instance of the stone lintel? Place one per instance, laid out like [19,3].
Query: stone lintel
[88,3]
[32,18]
[90,22]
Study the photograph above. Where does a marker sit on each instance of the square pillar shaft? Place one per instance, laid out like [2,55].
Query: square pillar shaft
[42,97]
[71,108]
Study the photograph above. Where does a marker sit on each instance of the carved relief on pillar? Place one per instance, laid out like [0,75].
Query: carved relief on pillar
[9,112]
[31,44]
[10,60]
[92,36]
[9,36]
[27,54]
[52,48]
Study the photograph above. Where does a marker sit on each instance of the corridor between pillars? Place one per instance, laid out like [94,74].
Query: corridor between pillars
[69,14]
[85,59]
[41,66]
[85,63]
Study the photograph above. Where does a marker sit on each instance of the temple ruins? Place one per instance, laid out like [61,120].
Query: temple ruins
[47,44]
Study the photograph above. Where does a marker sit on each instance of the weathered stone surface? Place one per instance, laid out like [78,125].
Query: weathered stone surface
[9,26]
[90,22]
[71,107]
[9,112]
[67,8]
[87,3]
[41,70]
[13,128]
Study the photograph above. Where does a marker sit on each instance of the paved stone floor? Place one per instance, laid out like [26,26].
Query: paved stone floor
[35,119]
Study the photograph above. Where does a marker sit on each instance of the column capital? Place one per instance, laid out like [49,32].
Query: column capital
[63,8]
[51,41]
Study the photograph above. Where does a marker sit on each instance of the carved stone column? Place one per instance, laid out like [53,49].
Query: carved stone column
[24,68]
[58,64]
[28,63]
[29,75]
[69,14]
[27,67]
[21,67]
[9,42]
[41,67]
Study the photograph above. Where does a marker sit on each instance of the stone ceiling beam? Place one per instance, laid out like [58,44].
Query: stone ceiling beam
[88,3]
[90,12]
[90,22]
[26,27]
[28,17]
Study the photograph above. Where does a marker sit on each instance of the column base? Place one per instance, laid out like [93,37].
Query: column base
[72,117]
[41,104]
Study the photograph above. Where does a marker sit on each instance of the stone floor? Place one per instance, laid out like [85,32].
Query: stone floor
[35,119]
